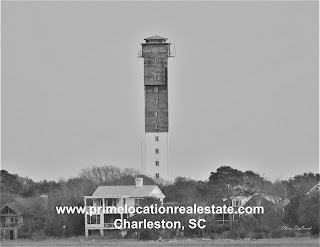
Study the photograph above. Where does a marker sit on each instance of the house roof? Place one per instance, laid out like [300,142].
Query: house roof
[283,203]
[315,188]
[22,205]
[17,208]
[272,199]
[155,37]
[275,201]
[27,203]
[4,201]
[130,191]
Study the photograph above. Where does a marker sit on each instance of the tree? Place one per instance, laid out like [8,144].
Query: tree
[73,190]
[185,190]
[106,175]
[228,183]
[130,180]
[301,184]
[226,178]
[291,216]
[278,191]
[308,213]
[28,187]
[254,184]
[31,188]
[9,183]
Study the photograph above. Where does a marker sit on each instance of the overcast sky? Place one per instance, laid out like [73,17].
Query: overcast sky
[243,87]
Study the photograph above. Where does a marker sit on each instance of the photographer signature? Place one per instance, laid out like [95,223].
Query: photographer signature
[299,228]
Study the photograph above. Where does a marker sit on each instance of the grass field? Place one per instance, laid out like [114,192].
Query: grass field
[81,241]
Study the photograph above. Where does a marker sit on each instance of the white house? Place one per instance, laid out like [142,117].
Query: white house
[117,196]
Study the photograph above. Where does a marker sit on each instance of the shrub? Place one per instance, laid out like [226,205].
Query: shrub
[243,233]
[38,235]
[315,230]
[169,234]
[234,234]
[262,229]
[220,229]
[292,234]
[148,235]
[24,232]
[213,235]
[258,235]
[280,233]
[112,234]
[225,234]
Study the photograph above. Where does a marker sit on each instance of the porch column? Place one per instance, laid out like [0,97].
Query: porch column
[122,211]
[101,232]
[86,233]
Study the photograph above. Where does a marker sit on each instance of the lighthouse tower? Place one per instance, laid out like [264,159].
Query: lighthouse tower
[155,52]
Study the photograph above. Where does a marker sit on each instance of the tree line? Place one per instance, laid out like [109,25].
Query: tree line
[220,188]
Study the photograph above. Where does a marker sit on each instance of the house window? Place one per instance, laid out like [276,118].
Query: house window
[157,175]
[98,202]
[236,203]
[14,221]
[155,89]
[157,138]
[111,202]
[157,150]
[98,219]
[156,102]
[157,163]
[124,201]
[94,219]
[137,202]
[222,219]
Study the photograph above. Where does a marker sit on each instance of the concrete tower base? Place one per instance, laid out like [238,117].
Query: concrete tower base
[156,151]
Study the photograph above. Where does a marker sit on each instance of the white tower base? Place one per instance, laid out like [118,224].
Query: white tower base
[156,162]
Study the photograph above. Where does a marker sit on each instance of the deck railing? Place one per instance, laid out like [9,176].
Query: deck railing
[5,225]
[109,225]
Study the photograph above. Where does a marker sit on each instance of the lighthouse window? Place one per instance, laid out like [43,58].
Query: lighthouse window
[155,102]
[155,60]
[157,126]
[157,175]
[156,114]
[157,150]
[155,77]
[157,138]
[155,89]
[157,163]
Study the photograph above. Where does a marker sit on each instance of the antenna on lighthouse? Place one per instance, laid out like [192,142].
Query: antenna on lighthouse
[142,158]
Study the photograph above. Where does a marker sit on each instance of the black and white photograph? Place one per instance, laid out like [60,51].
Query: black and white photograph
[159,123]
